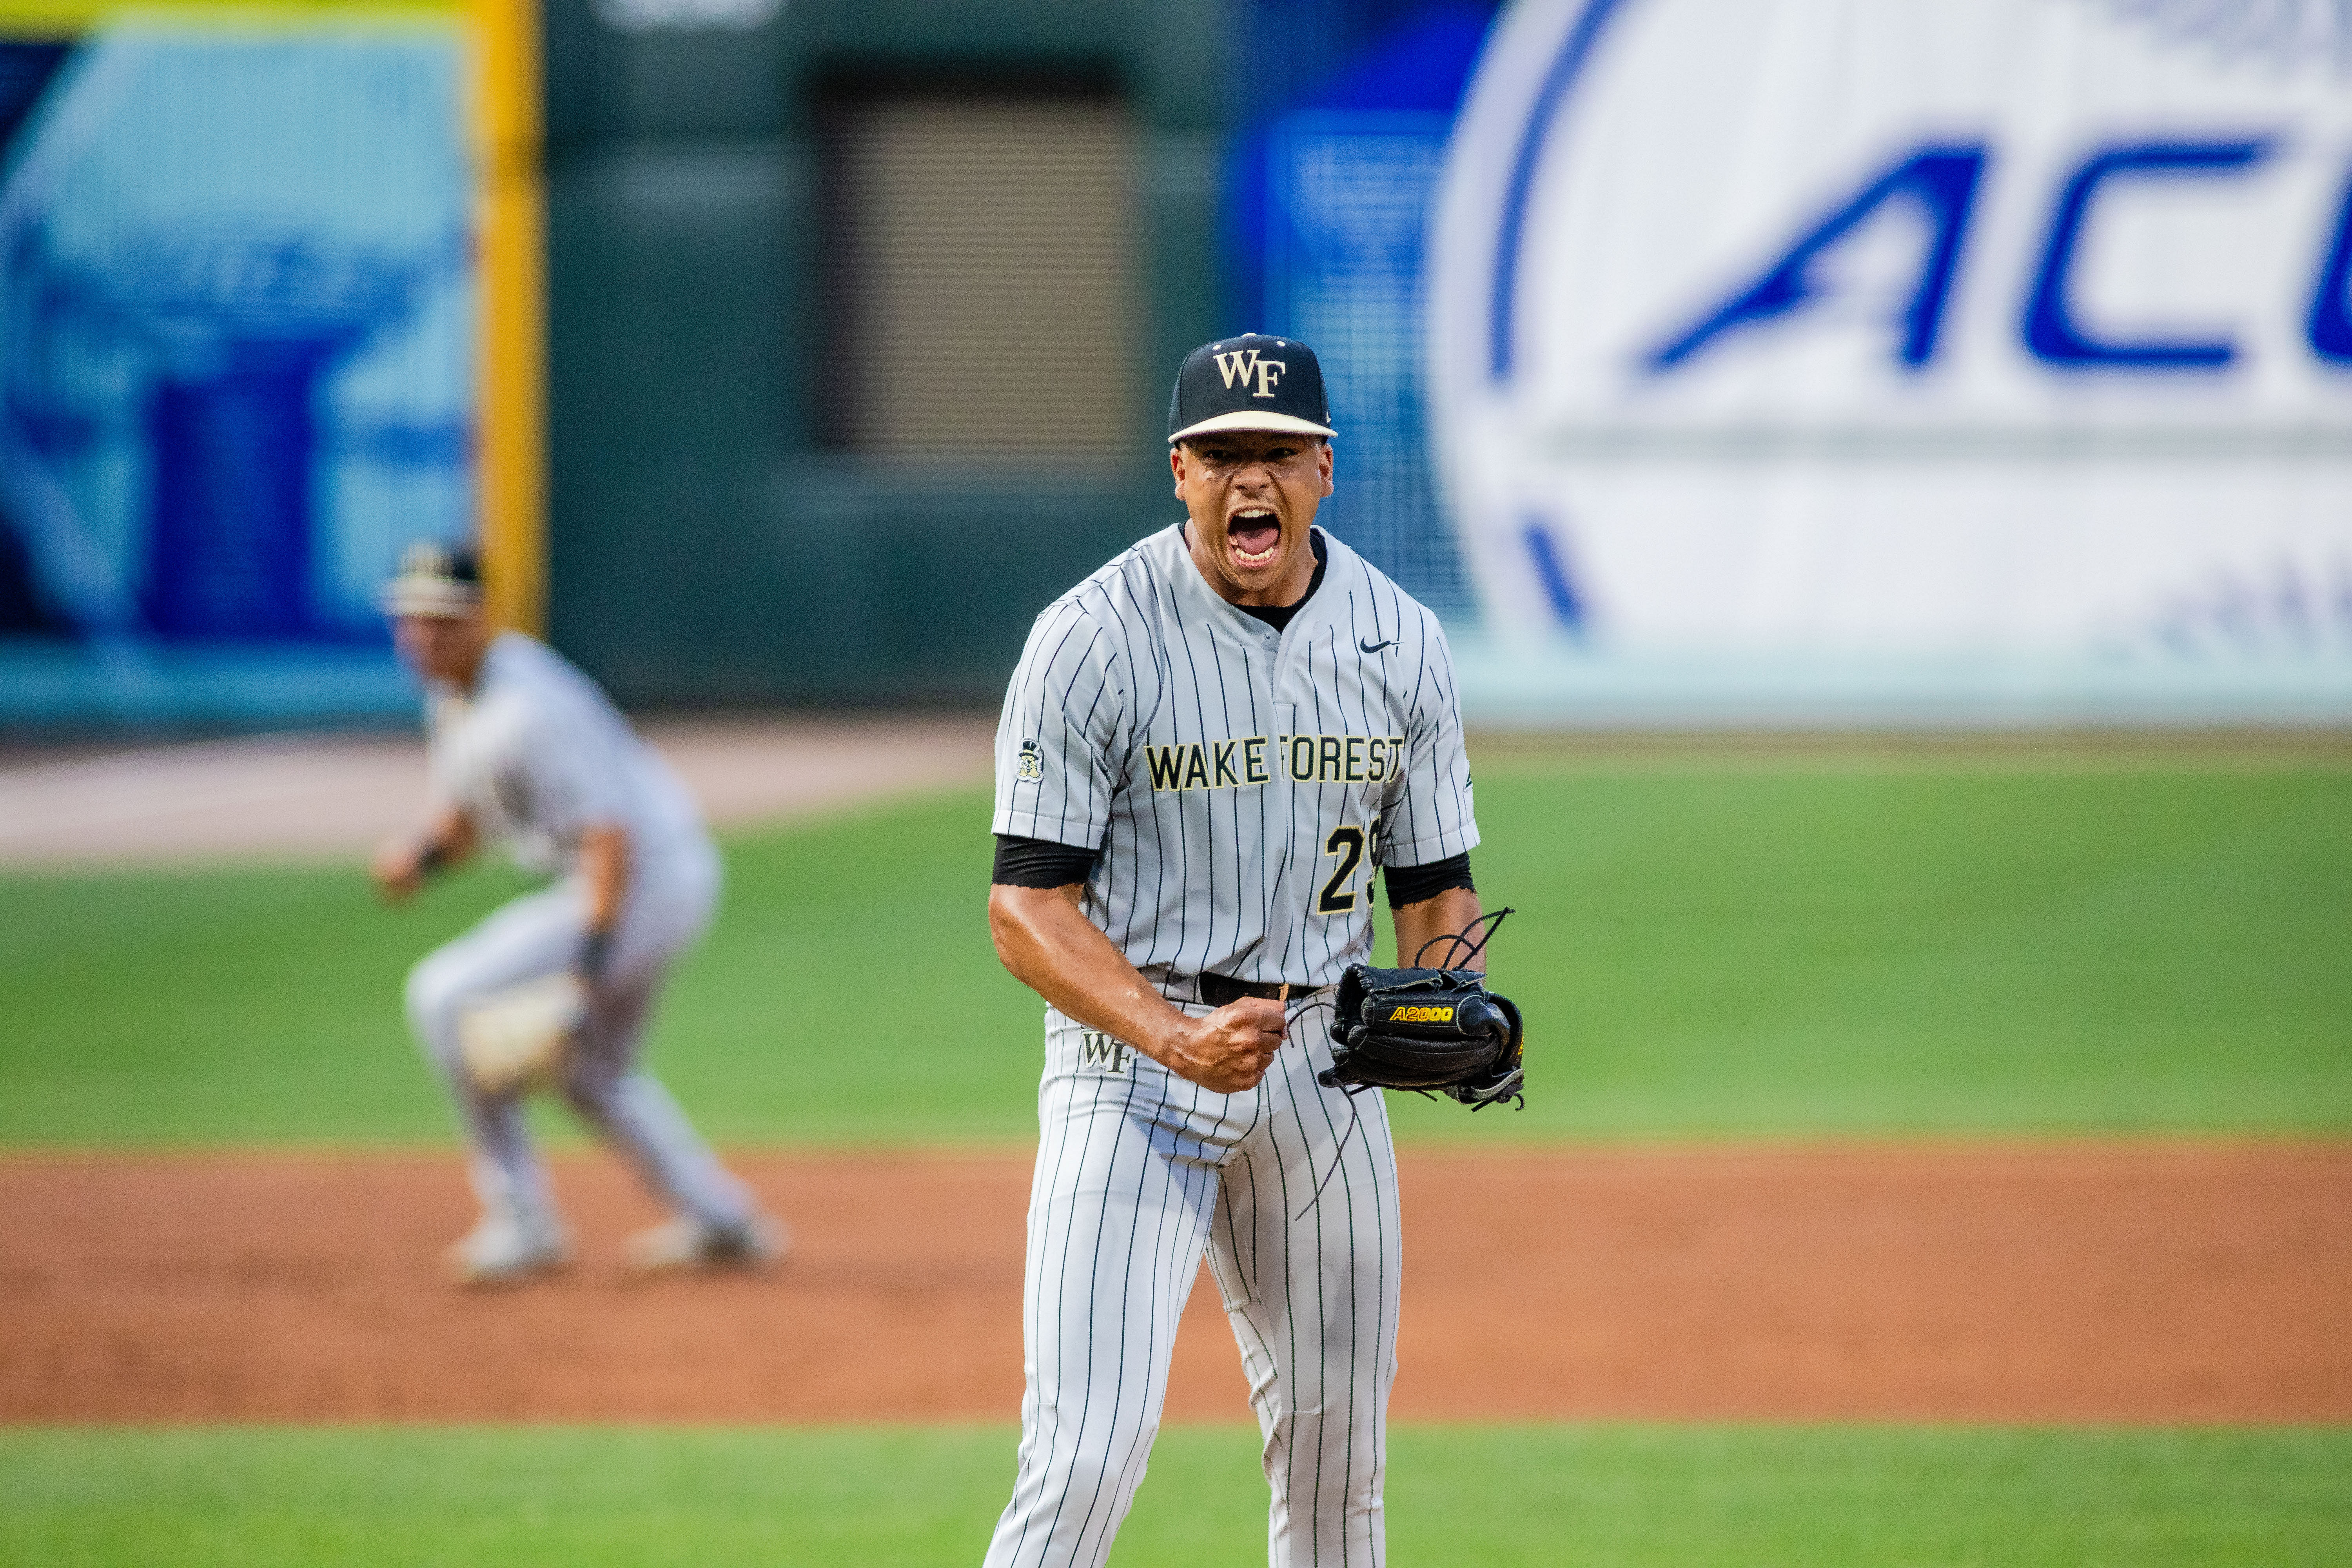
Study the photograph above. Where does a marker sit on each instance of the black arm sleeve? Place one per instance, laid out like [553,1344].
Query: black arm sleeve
[1412,884]
[1039,862]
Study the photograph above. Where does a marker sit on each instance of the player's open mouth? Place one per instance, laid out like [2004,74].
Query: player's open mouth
[1254,535]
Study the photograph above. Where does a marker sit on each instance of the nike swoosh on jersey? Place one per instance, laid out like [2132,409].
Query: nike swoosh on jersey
[1375,646]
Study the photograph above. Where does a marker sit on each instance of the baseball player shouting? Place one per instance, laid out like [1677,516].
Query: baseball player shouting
[1208,747]
[557,986]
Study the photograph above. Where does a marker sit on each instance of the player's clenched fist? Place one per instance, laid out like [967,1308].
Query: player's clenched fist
[1229,1050]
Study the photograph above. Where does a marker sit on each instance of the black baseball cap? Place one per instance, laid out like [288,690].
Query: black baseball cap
[1250,383]
[435,579]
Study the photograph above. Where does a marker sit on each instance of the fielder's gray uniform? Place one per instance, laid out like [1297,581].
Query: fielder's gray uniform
[1241,783]
[535,754]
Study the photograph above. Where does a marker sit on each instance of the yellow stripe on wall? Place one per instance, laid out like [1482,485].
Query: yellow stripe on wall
[511,453]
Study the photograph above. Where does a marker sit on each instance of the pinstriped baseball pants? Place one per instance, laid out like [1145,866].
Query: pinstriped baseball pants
[539,933]
[1139,1172]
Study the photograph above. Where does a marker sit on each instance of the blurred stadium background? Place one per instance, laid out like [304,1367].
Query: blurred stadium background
[1886,472]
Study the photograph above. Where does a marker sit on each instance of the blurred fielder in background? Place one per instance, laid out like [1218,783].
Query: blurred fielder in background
[555,988]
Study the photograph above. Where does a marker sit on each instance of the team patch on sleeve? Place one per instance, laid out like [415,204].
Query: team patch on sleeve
[1031,768]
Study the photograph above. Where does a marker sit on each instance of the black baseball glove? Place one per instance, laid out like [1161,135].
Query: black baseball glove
[1425,1029]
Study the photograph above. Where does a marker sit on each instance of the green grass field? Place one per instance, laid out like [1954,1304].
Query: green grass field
[1600,1497]
[1703,952]
[1715,950]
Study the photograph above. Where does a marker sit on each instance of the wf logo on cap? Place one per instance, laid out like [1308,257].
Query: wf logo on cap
[1249,382]
[1247,365]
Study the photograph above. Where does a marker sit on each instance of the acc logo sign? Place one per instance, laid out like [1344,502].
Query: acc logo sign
[1939,329]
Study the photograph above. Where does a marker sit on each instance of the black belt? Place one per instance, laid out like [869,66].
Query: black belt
[1218,990]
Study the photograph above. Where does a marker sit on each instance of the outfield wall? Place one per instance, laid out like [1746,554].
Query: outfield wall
[1704,362]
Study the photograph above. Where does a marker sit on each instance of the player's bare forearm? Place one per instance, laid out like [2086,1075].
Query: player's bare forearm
[1435,917]
[1050,946]
[605,869]
[402,864]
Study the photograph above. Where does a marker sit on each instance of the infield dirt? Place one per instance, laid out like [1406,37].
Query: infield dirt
[2076,1282]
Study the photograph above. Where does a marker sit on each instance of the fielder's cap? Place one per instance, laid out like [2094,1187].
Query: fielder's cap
[435,579]
[1250,383]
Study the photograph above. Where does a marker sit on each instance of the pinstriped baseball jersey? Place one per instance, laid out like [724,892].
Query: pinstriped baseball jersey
[537,753]
[1241,783]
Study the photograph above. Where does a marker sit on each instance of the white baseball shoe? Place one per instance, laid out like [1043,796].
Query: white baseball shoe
[685,1242]
[506,1249]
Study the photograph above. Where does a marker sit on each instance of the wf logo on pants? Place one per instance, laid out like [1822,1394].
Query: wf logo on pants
[1098,1052]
